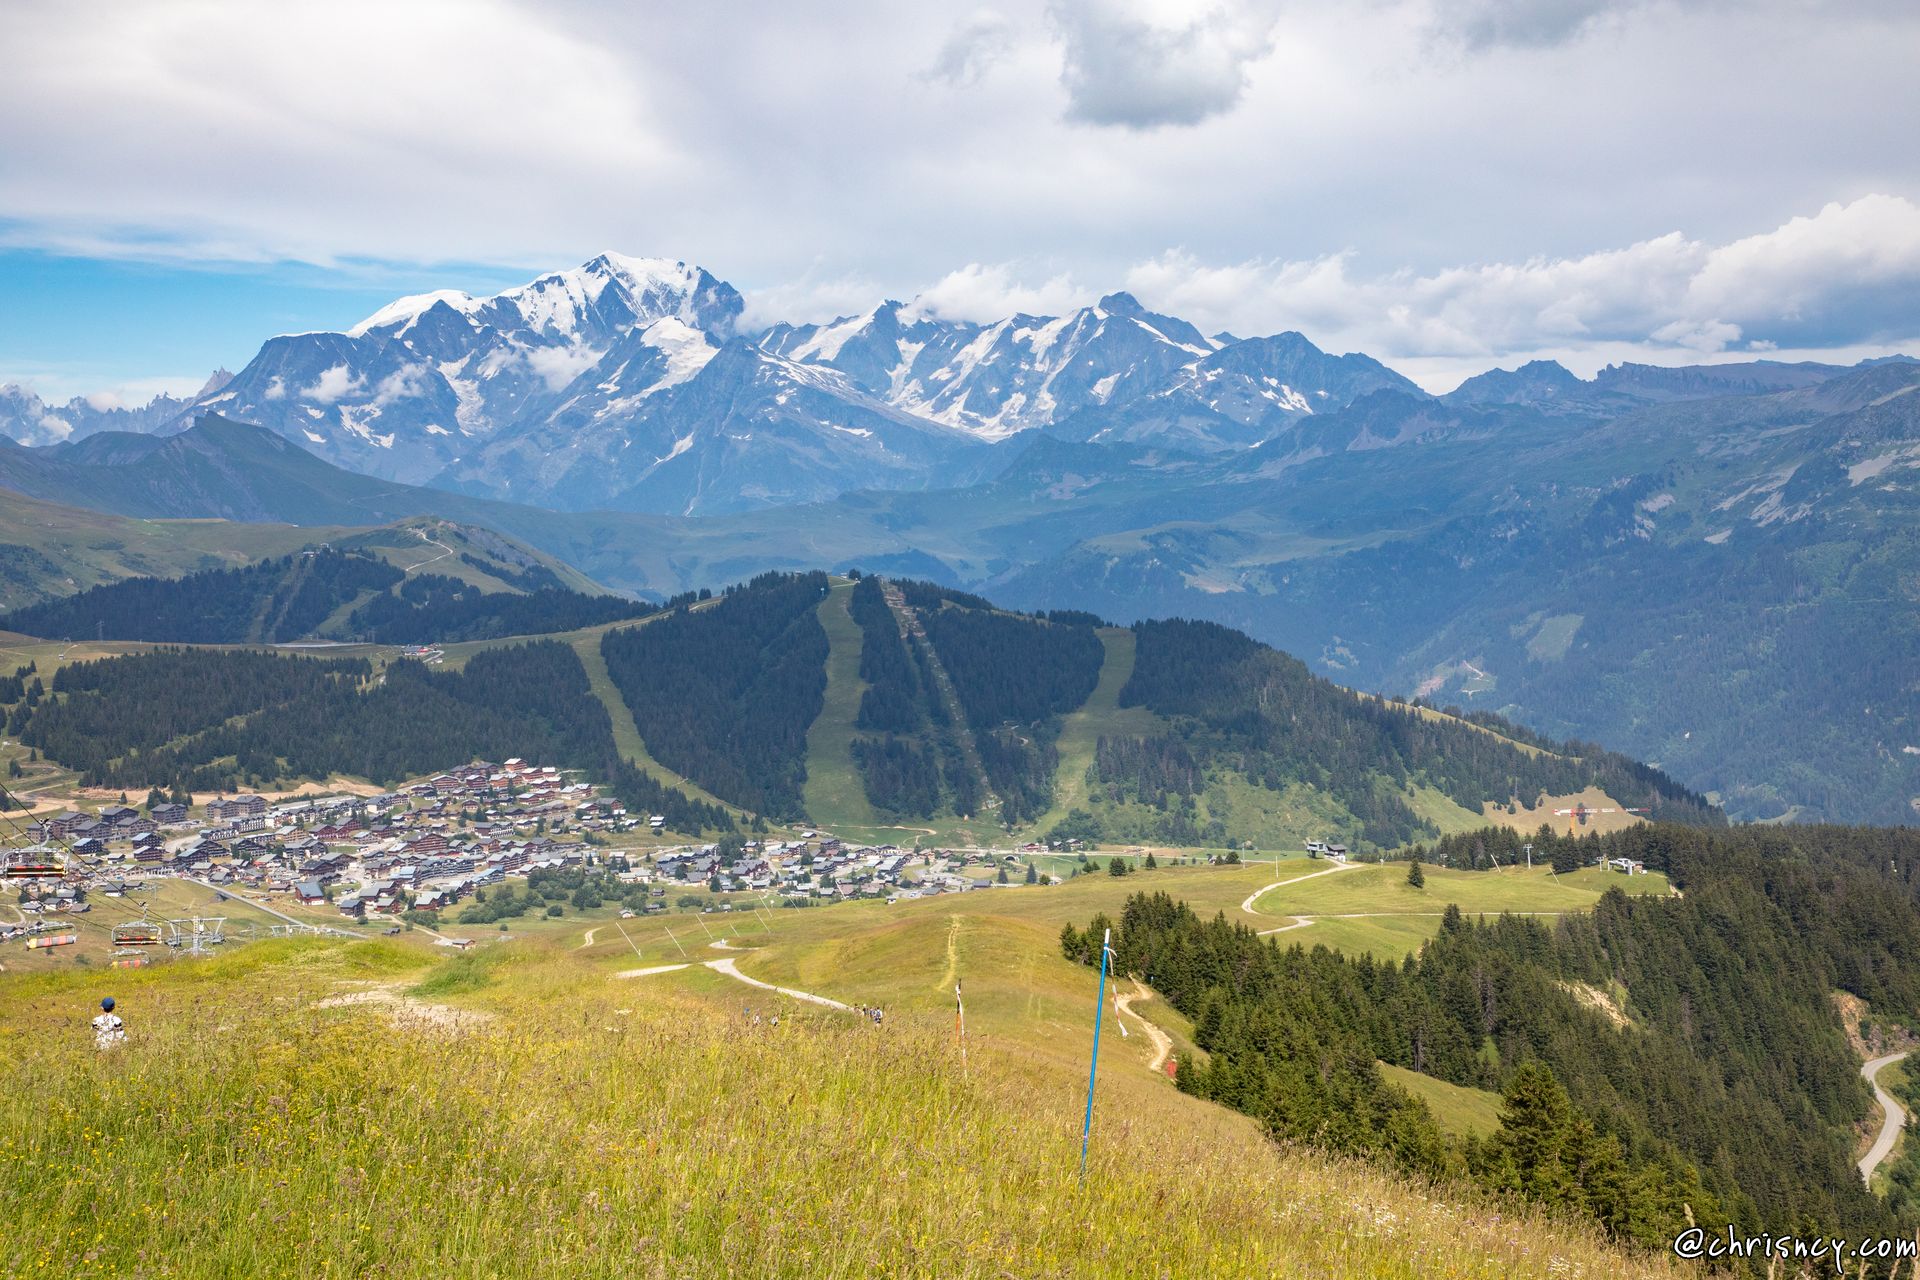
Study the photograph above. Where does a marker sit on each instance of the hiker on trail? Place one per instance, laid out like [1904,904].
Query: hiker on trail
[108,1029]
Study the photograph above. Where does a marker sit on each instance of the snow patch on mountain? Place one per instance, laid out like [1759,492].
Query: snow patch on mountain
[403,311]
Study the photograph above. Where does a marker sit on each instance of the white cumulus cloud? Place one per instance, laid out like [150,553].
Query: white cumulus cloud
[1843,277]
[979,40]
[1135,64]
[334,384]
[561,365]
[991,292]
[404,383]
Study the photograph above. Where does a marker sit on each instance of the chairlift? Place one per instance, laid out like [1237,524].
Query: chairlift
[139,933]
[35,870]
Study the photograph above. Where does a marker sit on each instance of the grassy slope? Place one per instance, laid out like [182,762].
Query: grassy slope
[531,1114]
[626,733]
[1530,819]
[1439,809]
[1458,1109]
[1374,909]
[1383,888]
[835,796]
[1101,714]
[87,548]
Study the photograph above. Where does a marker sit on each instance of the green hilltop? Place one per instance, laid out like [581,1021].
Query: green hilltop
[883,710]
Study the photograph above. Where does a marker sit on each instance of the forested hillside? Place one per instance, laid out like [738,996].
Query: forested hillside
[427,607]
[279,599]
[724,695]
[963,705]
[1677,576]
[299,596]
[1659,1051]
[1238,707]
[1199,736]
[206,720]
[919,767]
[1009,677]
[1015,677]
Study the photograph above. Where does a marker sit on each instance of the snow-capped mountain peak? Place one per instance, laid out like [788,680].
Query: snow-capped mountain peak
[598,299]
[404,311]
[998,379]
[406,392]
[625,380]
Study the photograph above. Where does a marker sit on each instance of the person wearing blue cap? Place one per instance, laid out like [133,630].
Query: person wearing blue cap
[108,1029]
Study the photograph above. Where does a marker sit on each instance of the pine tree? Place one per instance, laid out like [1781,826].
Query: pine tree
[1537,1124]
[1415,876]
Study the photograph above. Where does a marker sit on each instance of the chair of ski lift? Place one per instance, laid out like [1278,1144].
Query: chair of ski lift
[138,933]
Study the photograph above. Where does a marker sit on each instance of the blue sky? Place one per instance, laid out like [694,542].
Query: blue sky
[75,325]
[1446,184]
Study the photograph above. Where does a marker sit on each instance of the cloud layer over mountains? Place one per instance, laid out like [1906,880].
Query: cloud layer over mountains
[1457,180]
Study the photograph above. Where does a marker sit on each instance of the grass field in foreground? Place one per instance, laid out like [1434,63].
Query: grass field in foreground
[323,1108]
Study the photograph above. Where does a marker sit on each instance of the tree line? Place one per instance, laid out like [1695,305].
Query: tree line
[724,695]
[279,599]
[291,597]
[1653,1054]
[1015,677]
[208,720]
[1234,704]
[428,607]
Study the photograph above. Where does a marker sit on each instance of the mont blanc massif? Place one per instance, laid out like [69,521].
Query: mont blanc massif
[1675,562]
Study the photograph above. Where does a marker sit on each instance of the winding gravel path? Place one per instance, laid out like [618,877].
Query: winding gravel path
[1162,1042]
[1247,906]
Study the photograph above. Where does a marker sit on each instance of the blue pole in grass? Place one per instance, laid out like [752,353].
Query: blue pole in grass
[1086,1130]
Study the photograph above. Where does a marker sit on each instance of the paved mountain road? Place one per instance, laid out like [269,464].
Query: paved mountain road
[1896,1118]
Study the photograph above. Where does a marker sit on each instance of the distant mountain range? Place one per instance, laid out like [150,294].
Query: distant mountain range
[27,419]
[1714,568]
[630,384]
